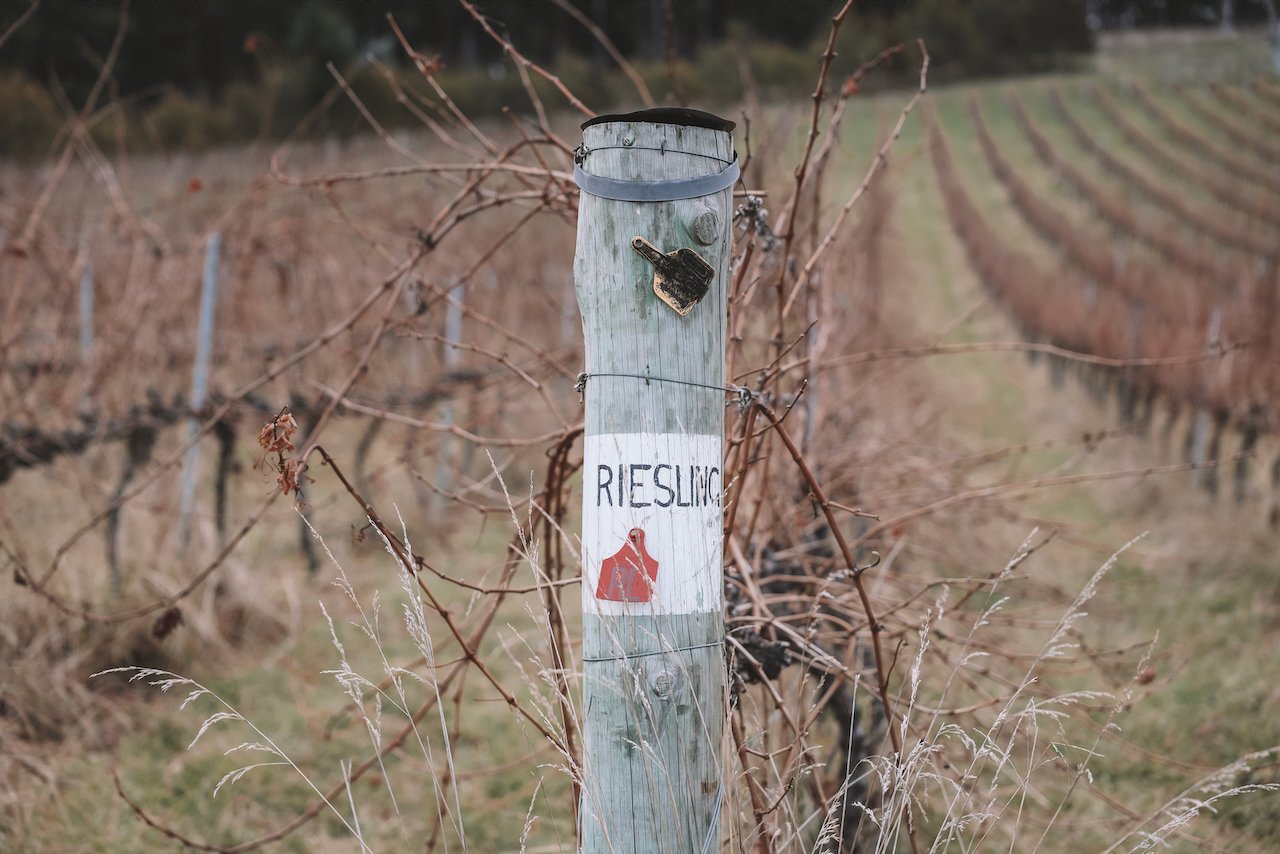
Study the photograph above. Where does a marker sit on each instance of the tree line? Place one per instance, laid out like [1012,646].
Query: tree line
[205,72]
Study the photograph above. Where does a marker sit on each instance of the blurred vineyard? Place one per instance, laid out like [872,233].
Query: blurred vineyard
[1148,265]
[391,413]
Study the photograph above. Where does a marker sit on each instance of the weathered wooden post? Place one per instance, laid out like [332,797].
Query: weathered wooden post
[86,335]
[651,272]
[446,456]
[1199,438]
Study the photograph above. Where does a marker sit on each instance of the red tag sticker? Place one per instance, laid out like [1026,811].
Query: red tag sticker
[631,574]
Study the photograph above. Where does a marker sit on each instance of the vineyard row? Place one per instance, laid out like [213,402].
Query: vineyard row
[1197,222]
[27,446]
[1243,136]
[1140,285]
[1225,189]
[1252,109]
[1116,210]
[1079,314]
[1203,146]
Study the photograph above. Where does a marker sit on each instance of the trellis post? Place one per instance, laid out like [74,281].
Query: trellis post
[86,334]
[446,457]
[1200,421]
[651,273]
[199,381]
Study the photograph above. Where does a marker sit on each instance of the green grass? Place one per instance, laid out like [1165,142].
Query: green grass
[1187,56]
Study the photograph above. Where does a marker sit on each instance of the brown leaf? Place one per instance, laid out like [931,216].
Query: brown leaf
[276,436]
[287,480]
[166,623]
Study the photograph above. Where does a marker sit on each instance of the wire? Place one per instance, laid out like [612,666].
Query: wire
[581,152]
[745,396]
[655,652]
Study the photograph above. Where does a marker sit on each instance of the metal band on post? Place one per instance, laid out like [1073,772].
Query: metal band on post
[656,191]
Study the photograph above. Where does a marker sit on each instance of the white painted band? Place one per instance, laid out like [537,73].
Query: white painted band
[670,487]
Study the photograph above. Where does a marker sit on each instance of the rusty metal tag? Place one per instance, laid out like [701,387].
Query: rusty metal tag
[680,278]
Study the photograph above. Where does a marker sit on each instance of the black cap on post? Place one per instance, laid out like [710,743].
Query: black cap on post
[668,116]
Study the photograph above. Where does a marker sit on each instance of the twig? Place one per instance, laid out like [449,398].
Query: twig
[642,88]
[524,62]
[17,24]
[880,161]
[873,625]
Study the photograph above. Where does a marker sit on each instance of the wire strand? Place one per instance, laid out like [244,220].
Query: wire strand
[655,652]
[744,395]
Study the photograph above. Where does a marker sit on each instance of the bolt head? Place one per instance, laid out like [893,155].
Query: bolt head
[706,227]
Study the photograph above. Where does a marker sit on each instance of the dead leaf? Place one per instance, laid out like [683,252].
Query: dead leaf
[166,623]
[287,480]
[276,436]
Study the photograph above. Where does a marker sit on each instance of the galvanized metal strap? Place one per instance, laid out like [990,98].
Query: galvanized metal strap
[656,191]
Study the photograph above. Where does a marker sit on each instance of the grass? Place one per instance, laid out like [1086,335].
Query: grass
[1190,56]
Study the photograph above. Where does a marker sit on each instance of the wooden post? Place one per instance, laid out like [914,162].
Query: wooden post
[1200,422]
[200,379]
[657,190]
[86,335]
[1128,395]
[446,457]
